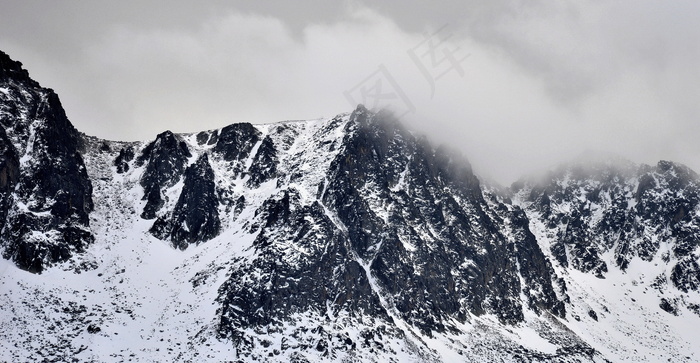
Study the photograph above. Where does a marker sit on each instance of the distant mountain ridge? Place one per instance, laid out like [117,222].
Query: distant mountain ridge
[343,239]
[623,211]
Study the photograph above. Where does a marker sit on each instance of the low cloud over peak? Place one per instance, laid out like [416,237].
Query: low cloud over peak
[514,86]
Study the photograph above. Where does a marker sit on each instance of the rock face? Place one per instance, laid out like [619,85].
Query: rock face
[344,239]
[398,200]
[165,159]
[616,208]
[396,230]
[45,189]
[122,161]
[195,217]
[235,143]
[264,165]
[9,175]
[297,284]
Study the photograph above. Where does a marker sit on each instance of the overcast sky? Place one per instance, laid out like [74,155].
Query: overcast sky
[516,85]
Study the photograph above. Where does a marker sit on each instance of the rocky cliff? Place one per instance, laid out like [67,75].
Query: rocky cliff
[341,239]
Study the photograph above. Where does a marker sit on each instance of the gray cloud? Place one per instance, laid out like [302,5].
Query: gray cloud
[542,82]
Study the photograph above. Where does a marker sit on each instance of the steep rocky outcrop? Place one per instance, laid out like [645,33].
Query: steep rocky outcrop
[428,242]
[46,191]
[165,159]
[399,231]
[263,167]
[342,239]
[543,289]
[9,175]
[324,279]
[629,212]
[195,218]
[126,155]
[235,143]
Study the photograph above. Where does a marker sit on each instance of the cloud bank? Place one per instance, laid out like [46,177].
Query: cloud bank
[528,84]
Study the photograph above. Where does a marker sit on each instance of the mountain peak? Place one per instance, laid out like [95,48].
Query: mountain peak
[13,70]
[47,215]
[341,239]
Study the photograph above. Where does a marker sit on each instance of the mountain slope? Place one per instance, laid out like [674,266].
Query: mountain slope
[626,237]
[342,239]
[46,193]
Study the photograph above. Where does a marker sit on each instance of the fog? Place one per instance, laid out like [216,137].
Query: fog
[516,86]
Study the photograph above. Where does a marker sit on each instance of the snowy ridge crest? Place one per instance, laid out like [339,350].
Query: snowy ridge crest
[341,239]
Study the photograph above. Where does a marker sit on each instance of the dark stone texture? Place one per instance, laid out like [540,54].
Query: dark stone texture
[52,178]
[236,141]
[213,138]
[289,281]
[126,155]
[399,228]
[685,275]
[165,159]
[264,165]
[12,71]
[9,175]
[535,269]
[208,137]
[618,206]
[202,138]
[195,218]
[669,306]
[593,315]
[438,254]
[458,260]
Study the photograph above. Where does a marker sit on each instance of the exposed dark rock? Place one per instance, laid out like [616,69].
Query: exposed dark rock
[12,71]
[264,165]
[669,306]
[165,159]
[126,155]
[9,175]
[50,177]
[394,228]
[535,269]
[236,141]
[196,216]
[213,138]
[617,206]
[289,281]
[202,137]
[463,265]
[593,315]
[694,308]
[208,137]
[685,275]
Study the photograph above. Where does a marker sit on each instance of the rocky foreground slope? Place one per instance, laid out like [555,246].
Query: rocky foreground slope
[342,239]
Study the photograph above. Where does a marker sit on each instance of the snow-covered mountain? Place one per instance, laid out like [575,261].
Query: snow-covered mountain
[342,239]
